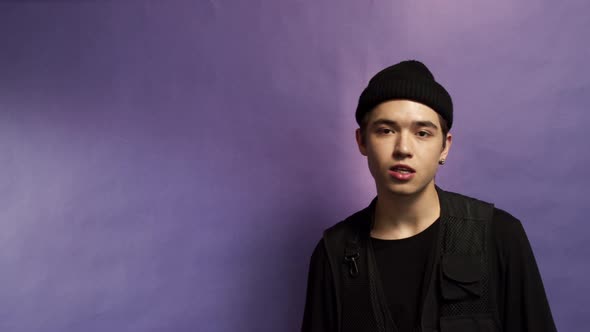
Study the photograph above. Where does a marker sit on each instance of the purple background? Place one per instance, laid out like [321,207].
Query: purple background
[170,165]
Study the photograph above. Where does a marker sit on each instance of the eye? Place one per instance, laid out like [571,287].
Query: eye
[424,133]
[384,131]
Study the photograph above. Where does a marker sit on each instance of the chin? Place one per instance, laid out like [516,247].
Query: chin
[402,192]
[404,189]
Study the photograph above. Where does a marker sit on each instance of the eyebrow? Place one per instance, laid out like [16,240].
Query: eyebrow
[392,123]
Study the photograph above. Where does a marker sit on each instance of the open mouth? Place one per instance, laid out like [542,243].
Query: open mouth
[402,169]
[402,172]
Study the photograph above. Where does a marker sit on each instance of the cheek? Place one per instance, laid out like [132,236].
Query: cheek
[375,160]
[376,155]
[433,161]
[433,153]
[372,160]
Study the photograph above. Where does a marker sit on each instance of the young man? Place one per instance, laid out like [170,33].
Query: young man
[419,258]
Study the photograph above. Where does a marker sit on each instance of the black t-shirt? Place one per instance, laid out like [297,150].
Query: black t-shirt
[402,265]
[522,303]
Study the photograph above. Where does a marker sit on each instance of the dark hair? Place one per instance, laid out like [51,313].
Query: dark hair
[443,124]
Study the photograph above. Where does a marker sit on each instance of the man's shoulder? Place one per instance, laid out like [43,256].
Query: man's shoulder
[463,206]
[501,217]
[498,212]
[505,225]
[355,220]
[459,198]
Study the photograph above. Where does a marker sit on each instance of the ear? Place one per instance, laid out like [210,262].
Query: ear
[359,141]
[449,141]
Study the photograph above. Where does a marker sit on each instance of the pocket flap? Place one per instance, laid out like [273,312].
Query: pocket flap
[460,277]
[465,269]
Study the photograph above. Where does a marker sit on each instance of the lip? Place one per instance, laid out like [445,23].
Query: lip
[402,166]
[401,176]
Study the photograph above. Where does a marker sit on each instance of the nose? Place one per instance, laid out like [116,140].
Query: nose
[402,148]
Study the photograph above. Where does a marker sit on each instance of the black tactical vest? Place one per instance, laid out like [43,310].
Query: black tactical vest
[460,286]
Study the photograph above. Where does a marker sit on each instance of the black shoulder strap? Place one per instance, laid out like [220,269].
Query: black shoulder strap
[462,270]
[339,239]
[347,247]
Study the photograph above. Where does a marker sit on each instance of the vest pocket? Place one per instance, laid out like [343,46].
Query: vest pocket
[461,277]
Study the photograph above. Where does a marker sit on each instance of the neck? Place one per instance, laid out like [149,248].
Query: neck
[401,216]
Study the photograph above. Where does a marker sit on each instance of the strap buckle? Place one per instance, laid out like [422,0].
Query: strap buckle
[351,259]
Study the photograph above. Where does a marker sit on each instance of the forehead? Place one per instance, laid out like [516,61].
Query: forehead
[403,111]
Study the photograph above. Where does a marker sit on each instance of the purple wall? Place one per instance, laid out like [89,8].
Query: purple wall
[169,166]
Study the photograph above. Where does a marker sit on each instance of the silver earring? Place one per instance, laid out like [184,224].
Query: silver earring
[441,162]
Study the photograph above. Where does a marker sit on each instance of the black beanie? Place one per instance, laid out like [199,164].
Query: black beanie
[411,80]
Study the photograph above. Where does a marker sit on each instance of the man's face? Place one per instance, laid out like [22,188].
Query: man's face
[408,133]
